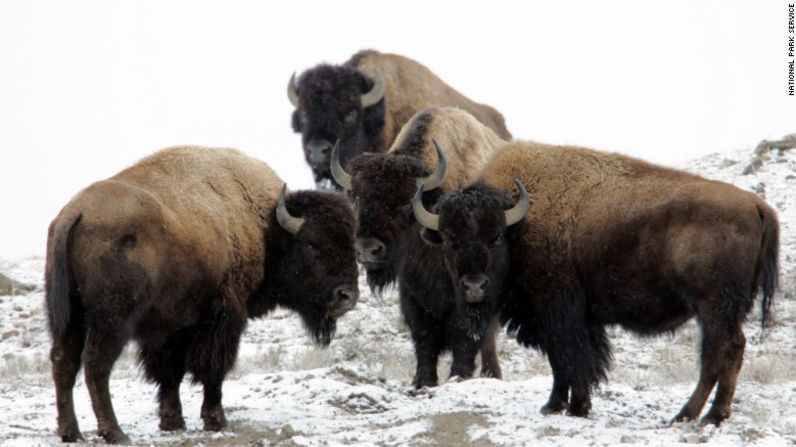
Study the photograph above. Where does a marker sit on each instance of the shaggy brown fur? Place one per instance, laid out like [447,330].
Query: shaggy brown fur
[411,87]
[172,253]
[610,240]
[329,106]
[383,186]
[467,143]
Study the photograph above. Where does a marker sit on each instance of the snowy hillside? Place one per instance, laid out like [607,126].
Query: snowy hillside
[284,391]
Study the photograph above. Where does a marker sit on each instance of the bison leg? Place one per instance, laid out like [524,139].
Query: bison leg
[427,351]
[728,376]
[428,339]
[578,351]
[166,366]
[490,366]
[428,343]
[170,411]
[464,352]
[559,396]
[580,401]
[211,355]
[105,340]
[708,374]
[65,357]
[212,410]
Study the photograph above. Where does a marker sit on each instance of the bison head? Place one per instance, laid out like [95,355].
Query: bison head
[337,102]
[474,228]
[382,187]
[310,262]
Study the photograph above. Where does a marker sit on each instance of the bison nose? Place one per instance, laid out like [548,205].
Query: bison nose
[345,298]
[474,287]
[319,152]
[370,250]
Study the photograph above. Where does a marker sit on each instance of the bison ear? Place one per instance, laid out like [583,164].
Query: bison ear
[431,237]
[295,121]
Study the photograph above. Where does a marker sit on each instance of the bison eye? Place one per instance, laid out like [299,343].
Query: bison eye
[496,240]
[351,117]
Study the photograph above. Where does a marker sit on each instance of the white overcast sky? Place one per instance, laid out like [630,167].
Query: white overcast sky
[89,87]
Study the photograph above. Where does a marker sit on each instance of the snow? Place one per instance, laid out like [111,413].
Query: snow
[285,391]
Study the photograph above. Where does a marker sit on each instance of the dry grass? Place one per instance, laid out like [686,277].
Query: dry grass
[30,370]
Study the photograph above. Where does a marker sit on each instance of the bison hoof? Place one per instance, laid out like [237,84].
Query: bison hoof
[490,374]
[455,379]
[172,423]
[715,417]
[422,382]
[682,416]
[116,437]
[214,420]
[71,435]
[580,410]
[553,408]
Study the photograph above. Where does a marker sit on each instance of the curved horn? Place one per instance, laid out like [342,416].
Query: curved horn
[292,92]
[520,209]
[423,216]
[376,93]
[286,221]
[340,176]
[433,180]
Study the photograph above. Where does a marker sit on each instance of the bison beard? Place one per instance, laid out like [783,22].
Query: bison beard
[380,277]
[321,327]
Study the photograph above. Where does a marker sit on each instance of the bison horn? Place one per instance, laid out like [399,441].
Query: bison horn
[433,180]
[376,93]
[518,211]
[292,92]
[286,221]
[340,176]
[427,219]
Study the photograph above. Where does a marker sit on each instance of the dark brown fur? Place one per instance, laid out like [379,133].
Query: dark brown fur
[328,94]
[383,186]
[610,240]
[172,253]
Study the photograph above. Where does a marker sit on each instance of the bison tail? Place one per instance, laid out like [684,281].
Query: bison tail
[58,281]
[768,261]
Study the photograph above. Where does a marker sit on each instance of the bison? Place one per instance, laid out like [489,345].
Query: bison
[365,102]
[388,243]
[609,240]
[177,252]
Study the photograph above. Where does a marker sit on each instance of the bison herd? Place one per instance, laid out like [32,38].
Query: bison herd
[427,191]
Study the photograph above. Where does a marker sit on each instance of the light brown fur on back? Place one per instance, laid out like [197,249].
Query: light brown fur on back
[193,211]
[579,195]
[466,143]
[413,87]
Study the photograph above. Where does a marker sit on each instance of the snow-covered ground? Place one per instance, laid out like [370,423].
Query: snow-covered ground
[285,391]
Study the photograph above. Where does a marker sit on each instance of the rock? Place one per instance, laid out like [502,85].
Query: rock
[760,190]
[8,334]
[10,287]
[727,162]
[287,432]
[630,439]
